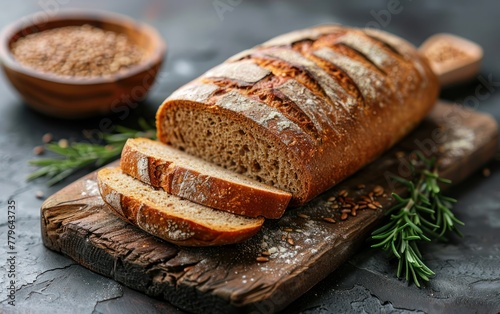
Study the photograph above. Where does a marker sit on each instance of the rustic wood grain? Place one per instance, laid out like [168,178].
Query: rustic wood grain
[77,223]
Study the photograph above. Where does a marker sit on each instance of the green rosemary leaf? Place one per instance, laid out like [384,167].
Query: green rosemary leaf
[60,176]
[448,199]
[39,173]
[65,151]
[443,180]
[383,228]
[424,209]
[398,198]
[44,162]
[401,180]
[412,237]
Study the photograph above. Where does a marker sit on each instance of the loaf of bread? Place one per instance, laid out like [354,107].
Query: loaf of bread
[169,217]
[194,179]
[305,110]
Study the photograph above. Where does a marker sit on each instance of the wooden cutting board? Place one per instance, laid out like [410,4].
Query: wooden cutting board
[77,223]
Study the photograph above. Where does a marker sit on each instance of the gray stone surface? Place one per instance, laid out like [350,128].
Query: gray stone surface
[200,37]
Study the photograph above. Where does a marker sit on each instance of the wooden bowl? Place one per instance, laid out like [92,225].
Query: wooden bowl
[80,97]
[452,69]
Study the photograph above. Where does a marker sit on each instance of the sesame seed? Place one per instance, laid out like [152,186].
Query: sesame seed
[290,241]
[331,199]
[262,259]
[343,216]
[288,229]
[266,253]
[303,216]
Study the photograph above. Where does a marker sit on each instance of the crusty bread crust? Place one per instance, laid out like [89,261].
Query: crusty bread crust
[140,159]
[167,225]
[366,90]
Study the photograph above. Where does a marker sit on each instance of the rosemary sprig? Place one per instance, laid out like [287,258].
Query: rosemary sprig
[79,155]
[421,217]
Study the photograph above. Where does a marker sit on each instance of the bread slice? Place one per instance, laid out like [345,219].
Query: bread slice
[194,179]
[169,217]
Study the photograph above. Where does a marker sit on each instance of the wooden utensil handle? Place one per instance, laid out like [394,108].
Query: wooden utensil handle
[454,59]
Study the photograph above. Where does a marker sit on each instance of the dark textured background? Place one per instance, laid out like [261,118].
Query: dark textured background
[468,269]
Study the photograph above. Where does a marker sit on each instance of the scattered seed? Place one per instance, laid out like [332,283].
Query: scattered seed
[303,216]
[370,195]
[354,213]
[343,216]
[400,154]
[360,186]
[343,193]
[262,259]
[362,202]
[486,172]
[378,190]
[329,219]
[366,199]
[363,206]
[39,195]
[47,138]
[346,205]
[335,206]
[288,229]
[356,207]
[38,150]
[266,253]
[345,210]
[377,204]
[371,206]
[348,200]
[290,241]
[332,199]
[63,143]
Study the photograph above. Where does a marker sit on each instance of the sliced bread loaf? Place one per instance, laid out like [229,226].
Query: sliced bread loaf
[305,110]
[169,217]
[199,181]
